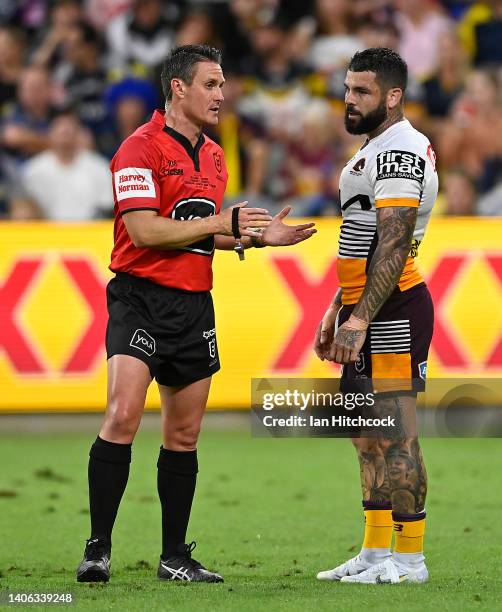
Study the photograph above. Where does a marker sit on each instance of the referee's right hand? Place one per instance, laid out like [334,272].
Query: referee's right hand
[250,219]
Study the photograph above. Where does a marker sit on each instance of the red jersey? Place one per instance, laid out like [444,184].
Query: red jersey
[157,168]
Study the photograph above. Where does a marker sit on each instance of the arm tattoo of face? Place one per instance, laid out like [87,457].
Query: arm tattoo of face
[395,226]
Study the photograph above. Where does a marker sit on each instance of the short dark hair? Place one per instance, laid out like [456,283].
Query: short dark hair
[89,33]
[181,62]
[390,68]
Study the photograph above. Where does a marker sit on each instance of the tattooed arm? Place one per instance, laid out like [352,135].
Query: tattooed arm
[395,226]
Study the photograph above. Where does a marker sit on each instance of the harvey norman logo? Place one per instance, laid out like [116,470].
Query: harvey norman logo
[134,183]
[143,341]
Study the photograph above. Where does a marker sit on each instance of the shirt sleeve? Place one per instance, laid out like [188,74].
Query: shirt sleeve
[398,178]
[135,177]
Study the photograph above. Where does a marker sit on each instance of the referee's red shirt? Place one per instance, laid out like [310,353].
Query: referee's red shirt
[157,168]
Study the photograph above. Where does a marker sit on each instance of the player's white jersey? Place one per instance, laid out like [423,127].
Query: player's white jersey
[397,168]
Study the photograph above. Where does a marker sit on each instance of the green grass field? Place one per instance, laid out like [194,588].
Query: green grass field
[268,514]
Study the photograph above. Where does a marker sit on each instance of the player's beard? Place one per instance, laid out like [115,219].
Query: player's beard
[367,123]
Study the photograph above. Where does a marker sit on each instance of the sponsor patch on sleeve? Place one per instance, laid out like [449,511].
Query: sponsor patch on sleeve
[134,183]
[400,165]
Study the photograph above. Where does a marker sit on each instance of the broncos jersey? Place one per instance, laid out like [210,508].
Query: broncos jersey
[396,168]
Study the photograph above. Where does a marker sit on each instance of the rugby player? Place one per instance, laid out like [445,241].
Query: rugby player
[169,180]
[379,325]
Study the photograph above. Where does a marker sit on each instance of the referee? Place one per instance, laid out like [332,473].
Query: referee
[169,181]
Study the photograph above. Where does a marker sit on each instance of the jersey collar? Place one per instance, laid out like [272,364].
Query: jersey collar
[192,152]
[395,127]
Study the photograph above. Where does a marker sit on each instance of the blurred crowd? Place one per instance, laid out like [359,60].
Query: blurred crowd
[77,77]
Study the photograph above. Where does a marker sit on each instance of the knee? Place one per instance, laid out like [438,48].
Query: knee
[182,437]
[121,422]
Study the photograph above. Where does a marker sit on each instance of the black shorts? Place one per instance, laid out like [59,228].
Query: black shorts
[397,343]
[171,330]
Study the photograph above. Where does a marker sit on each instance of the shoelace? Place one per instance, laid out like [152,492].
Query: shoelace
[187,553]
[95,550]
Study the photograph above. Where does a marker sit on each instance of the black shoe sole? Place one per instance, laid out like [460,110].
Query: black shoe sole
[93,576]
[192,581]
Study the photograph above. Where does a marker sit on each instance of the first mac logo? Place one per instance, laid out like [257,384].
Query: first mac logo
[143,341]
[400,164]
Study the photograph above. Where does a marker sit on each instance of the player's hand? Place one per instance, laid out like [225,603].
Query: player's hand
[325,332]
[278,233]
[348,341]
[250,219]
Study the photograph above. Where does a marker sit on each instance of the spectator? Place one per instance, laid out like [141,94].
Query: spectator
[421,25]
[277,88]
[24,131]
[12,56]
[477,14]
[239,17]
[470,138]
[64,15]
[491,202]
[278,92]
[459,193]
[25,128]
[374,34]
[130,103]
[197,28]
[101,12]
[443,88]
[84,78]
[26,14]
[310,164]
[270,115]
[246,148]
[335,42]
[487,37]
[140,39]
[65,183]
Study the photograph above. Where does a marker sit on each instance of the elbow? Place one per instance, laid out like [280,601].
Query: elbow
[141,242]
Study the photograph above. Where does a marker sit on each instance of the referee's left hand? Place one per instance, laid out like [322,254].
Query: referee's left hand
[278,233]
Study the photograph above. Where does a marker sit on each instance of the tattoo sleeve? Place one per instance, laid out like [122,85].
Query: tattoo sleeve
[395,226]
[407,476]
[374,479]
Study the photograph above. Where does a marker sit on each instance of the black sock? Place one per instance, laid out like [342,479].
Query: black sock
[108,473]
[176,478]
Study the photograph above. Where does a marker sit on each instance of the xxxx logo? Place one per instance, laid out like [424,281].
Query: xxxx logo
[313,295]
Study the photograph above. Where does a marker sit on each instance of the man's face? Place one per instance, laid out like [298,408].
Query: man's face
[203,98]
[63,133]
[402,473]
[365,106]
[34,89]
